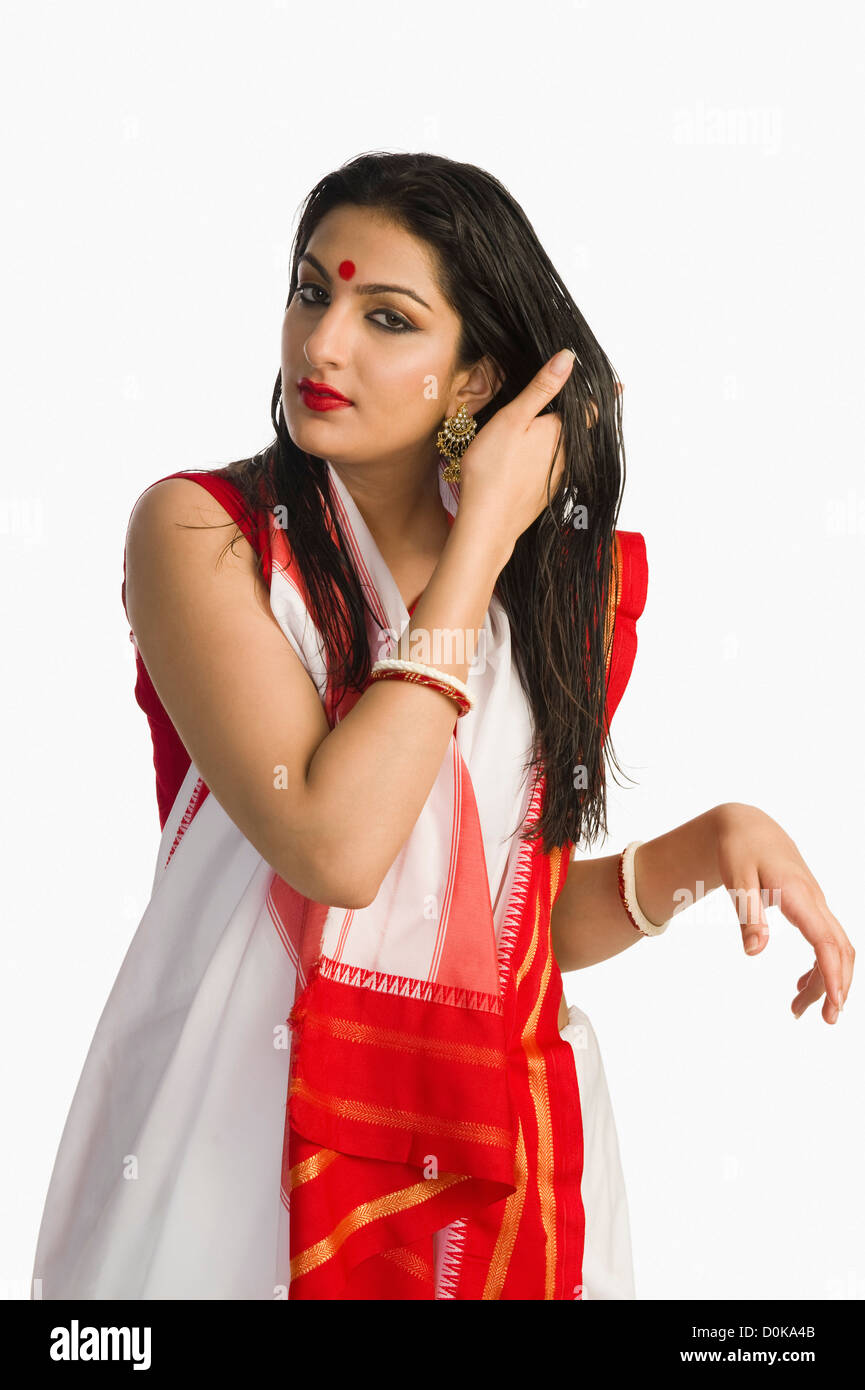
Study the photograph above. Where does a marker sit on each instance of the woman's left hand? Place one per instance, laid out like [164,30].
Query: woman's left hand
[755,854]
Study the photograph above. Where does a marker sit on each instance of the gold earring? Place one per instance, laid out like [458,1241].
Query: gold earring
[453,439]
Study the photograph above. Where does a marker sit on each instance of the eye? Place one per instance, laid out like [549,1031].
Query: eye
[401,326]
[308,285]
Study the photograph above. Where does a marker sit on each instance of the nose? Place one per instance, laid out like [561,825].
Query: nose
[329,341]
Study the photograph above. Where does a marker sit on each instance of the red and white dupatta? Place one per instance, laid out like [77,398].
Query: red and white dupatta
[393,1077]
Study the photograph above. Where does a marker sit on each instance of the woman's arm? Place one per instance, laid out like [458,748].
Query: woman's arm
[589,923]
[333,820]
[734,845]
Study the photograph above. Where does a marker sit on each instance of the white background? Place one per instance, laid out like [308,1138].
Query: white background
[694,171]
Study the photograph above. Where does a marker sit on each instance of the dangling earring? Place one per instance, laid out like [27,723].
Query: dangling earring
[453,439]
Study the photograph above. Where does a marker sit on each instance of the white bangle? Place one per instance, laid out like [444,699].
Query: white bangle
[628,892]
[392,663]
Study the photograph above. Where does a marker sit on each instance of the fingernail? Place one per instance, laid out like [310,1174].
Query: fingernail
[798,1014]
[562,362]
[840,1003]
[752,944]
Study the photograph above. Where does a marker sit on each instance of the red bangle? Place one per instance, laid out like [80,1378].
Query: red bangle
[417,678]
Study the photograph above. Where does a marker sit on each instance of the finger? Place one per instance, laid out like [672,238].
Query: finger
[801,906]
[836,938]
[830,967]
[558,471]
[748,903]
[814,988]
[593,414]
[848,954]
[542,387]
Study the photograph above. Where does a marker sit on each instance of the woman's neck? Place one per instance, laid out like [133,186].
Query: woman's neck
[399,505]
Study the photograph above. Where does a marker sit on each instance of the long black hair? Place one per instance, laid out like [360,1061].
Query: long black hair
[558,586]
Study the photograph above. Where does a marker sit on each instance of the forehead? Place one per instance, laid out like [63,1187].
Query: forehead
[377,248]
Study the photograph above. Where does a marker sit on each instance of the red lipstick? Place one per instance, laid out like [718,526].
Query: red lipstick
[317,395]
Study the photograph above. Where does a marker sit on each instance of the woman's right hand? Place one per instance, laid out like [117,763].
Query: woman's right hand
[504,471]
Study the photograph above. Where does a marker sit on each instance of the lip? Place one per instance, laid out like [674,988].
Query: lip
[319,396]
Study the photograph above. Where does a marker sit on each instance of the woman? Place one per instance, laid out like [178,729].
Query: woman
[337,1061]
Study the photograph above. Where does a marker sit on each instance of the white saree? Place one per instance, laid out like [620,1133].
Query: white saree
[167,1180]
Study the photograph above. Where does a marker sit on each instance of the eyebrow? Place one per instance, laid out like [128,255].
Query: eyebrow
[365,289]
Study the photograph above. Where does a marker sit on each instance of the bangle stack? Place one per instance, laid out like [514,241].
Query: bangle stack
[628,892]
[418,674]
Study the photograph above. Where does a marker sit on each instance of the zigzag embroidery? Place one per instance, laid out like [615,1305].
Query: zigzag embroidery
[452,1258]
[519,889]
[428,990]
[194,800]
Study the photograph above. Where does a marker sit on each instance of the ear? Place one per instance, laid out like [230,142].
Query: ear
[494,374]
[483,382]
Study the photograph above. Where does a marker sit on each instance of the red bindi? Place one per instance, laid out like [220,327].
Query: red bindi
[346,269]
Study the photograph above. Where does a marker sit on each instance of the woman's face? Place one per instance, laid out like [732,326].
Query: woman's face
[390,353]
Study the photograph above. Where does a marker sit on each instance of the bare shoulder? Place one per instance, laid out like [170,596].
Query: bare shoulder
[175,503]
[179,532]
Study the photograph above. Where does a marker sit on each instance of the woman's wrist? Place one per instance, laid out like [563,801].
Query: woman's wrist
[485,538]
[678,868]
